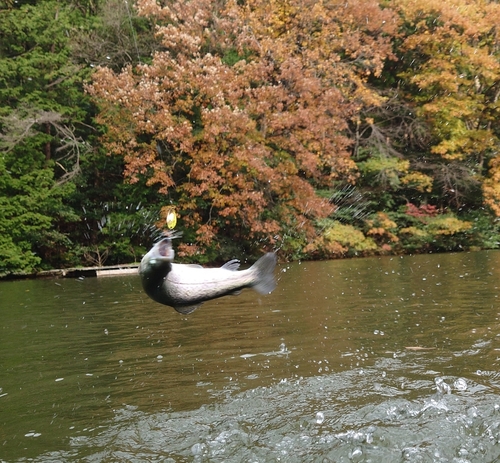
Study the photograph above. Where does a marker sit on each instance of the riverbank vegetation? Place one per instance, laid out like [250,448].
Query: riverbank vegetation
[322,129]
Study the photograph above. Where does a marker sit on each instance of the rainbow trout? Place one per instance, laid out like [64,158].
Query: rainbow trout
[186,286]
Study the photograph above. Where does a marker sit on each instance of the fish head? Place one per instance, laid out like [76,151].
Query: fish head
[158,258]
[165,249]
[161,252]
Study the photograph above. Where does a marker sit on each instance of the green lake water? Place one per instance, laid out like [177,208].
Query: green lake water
[389,359]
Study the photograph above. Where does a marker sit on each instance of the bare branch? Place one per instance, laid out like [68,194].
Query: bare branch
[26,122]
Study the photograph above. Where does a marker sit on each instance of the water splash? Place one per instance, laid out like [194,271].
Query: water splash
[133,221]
[320,417]
[351,204]
[442,387]
[283,350]
[374,420]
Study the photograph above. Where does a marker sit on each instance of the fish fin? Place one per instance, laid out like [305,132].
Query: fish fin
[232,265]
[235,293]
[193,265]
[187,309]
[264,268]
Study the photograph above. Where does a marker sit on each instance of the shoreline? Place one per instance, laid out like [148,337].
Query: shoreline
[77,272]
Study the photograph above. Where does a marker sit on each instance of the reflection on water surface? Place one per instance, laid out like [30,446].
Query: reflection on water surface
[384,359]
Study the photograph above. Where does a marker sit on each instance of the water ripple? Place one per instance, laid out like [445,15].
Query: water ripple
[363,417]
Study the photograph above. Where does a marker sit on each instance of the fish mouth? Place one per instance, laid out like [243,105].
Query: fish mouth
[165,247]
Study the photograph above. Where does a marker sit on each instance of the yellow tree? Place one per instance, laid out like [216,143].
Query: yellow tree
[451,53]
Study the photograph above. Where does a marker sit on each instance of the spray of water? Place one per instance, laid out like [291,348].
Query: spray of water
[351,205]
[117,220]
[115,232]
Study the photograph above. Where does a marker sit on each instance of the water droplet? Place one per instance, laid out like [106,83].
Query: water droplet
[442,387]
[356,454]
[460,384]
[198,449]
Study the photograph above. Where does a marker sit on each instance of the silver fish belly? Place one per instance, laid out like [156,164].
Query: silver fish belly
[185,287]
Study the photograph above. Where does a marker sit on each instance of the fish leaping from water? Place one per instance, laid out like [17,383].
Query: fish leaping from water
[186,286]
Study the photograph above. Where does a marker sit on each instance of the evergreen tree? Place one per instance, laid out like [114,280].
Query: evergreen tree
[42,107]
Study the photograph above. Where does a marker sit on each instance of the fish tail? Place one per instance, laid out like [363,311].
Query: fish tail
[264,270]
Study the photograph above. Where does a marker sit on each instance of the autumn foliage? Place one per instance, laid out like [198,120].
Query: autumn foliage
[452,69]
[319,128]
[316,128]
[251,111]
[243,114]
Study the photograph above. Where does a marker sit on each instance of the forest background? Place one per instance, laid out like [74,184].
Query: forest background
[321,129]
